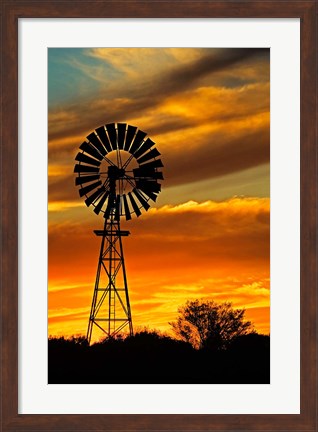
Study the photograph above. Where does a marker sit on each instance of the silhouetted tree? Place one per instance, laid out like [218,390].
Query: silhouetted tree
[207,324]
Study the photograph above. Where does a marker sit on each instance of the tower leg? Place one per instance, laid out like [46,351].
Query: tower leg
[110,310]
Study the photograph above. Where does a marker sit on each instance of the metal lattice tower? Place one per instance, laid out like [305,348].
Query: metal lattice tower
[110,309]
[118,174]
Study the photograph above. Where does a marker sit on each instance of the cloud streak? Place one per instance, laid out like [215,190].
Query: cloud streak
[136,98]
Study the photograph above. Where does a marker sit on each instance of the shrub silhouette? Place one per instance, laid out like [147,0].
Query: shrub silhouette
[207,324]
[151,358]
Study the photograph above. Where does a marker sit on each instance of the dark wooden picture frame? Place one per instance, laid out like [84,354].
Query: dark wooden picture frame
[12,10]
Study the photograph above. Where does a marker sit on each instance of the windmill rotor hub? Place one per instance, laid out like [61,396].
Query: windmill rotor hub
[115,173]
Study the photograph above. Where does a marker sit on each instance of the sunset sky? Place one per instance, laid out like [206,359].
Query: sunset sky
[207,236]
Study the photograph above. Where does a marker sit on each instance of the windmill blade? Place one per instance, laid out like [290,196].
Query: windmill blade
[134,204]
[126,208]
[81,157]
[117,208]
[110,206]
[142,149]
[141,199]
[149,194]
[94,196]
[140,135]
[104,138]
[154,164]
[150,155]
[142,172]
[158,175]
[92,138]
[149,185]
[131,130]
[79,168]
[111,130]
[121,130]
[85,179]
[101,202]
[153,186]
[107,211]
[83,191]
[89,149]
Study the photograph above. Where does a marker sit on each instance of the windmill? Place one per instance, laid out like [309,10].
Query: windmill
[117,174]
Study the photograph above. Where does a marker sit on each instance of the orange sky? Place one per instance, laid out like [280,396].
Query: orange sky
[208,234]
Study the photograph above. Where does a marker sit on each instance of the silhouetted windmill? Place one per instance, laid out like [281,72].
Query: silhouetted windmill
[117,174]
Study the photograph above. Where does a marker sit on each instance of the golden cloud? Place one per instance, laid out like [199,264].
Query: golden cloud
[217,250]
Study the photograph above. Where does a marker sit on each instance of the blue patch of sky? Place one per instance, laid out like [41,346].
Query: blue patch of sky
[68,79]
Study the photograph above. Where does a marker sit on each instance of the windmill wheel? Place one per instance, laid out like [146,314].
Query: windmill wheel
[118,170]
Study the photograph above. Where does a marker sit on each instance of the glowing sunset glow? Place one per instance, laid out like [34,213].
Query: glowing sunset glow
[208,234]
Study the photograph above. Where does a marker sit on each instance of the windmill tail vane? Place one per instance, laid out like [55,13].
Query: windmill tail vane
[117,174]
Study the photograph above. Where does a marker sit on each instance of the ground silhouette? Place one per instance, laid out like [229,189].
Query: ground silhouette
[151,358]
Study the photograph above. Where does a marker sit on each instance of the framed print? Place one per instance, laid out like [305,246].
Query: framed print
[182,295]
[131,305]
